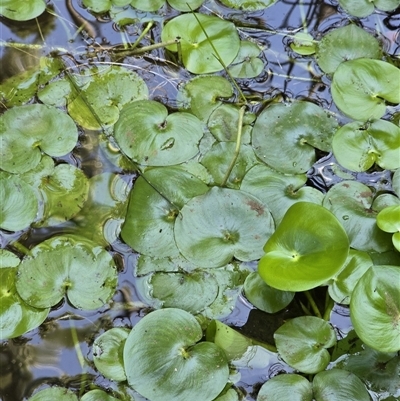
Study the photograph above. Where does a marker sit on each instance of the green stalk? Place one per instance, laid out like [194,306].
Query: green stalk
[237,149]
[328,308]
[21,248]
[144,49]
[313,304]
[141,36]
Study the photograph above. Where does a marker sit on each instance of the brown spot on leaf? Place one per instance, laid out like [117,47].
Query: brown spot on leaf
[256,206]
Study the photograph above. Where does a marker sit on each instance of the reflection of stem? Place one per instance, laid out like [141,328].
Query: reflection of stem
[237,149]
[313,304]
[79,354]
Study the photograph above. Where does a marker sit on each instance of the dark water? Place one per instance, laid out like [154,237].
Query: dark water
[47,355]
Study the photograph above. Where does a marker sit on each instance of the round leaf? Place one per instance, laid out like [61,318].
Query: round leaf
[153,207]
[279,191]
[360,88]
[357,146]
[363,8]
[197,52]
[148,135]
[294,131]
[341,287]
[19,205]
[303,44]
[388,219]
[354,206]
[191,292]
[161,358]
[108,353]
[339,385]
[264,297]
[286,387]
[16,316]
[298,256]
[60,265]
[346,43]
[222,224]
[27,131]
[375,308]
[303,341]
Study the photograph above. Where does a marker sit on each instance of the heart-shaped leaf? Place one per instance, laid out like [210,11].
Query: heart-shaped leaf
[149,136]
[222,224]
[162,355]
[298,256]
[198,54]
[303,342]
[361,88]
[294,131]
[375,308]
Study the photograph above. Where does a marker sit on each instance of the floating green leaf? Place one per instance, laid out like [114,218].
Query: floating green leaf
[388,220]
[54,393]
[358,146]
[356,208]
[18,203]
[396,182]
[375,308]
[107,91]
[27,131]
[303,342]
[298,256]
[279,191]
[248,5]
[222,224]
[346,43]
[22,10]
[362,88]
[162,355]
[339,385]
[77,267]
[146,264]
[148,135]
[363,8]
[98,395]
[342,285]
[286,387]
[303,44]
[16,316]
[108,353]
[148,5]
[198,55]
[294,131]
[189,5]
[247,64]
[202,95]
[149,223]
[191,292]
[8,259]
[219,157]
[264,297]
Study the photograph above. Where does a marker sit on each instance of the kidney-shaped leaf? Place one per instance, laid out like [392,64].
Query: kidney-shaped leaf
[148,135]
[163,359]
[285,136]
[286,387]
[360,88]
[108,353]
[357,146]
[339,385]
[27,131]
[375,308]
[79,268]
[222,224]
[18,203]
[303,341]
[198,54]
[308,247]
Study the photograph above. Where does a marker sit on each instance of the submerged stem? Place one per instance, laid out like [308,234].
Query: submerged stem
[313,304]
[237,149]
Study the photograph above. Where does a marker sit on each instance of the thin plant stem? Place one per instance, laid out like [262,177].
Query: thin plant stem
[305,309]
[21,248]
[144,49]
[328,308]
[79,354]
[237,148]
[313,304]
[141,36]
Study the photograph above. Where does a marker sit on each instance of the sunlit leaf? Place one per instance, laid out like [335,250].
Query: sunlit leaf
[22,10]
[247,64]
[363,8]
[303,44]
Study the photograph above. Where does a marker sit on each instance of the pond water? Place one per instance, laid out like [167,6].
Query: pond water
[48,355]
